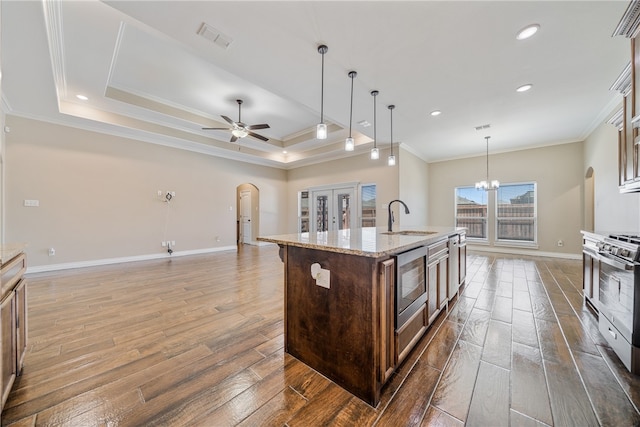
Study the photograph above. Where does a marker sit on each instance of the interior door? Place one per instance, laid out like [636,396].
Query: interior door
[333,209]
[245,217]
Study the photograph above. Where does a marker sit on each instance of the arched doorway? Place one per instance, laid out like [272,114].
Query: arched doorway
[589,200]
[248,214]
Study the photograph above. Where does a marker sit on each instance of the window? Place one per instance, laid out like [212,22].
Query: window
[368,205]
[303,211]
[471,211]
[516,213]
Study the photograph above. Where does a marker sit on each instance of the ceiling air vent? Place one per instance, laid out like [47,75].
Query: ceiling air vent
[483,127]
[214,35]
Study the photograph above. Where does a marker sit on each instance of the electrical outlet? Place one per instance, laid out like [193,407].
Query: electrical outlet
[560,243]
[164,244]
[52,251]
[217,238]
[173,243]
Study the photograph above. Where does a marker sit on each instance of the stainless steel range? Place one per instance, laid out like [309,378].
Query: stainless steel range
[615,291]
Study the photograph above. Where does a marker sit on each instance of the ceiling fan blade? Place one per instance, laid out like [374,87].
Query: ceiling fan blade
[217,128]
[233,138]
[255,135]
[255,127]
[231,122]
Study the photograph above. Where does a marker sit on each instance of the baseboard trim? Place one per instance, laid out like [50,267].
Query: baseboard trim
[518,251]
[108,261]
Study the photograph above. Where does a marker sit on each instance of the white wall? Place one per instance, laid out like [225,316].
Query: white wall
[98,195]
[614,212]
[414,188]
[557,170]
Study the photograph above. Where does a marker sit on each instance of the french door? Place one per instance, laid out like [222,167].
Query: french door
[333,209]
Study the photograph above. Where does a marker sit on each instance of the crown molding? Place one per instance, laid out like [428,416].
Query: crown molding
[630,22]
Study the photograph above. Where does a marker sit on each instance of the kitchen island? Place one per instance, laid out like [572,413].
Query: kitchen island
[344,292]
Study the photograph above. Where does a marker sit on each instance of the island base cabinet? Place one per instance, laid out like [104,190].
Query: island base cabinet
[388,355]
[335,330]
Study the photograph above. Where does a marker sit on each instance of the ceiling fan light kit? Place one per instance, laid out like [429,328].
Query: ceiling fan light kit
[321,129]
[241,130]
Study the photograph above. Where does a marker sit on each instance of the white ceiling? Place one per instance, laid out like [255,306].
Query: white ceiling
[150,76]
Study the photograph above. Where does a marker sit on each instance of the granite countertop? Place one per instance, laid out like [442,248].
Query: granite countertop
[9,250]
[369,241]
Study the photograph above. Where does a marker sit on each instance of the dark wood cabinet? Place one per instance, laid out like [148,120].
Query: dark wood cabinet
[346,326]
[438,279]
[590,270]
[387,348]
[628,119]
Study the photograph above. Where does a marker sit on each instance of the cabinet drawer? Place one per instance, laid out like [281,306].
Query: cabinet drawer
[11,273]
[410,333]
[619,344]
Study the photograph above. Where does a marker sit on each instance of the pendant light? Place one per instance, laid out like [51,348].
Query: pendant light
[349,144]
[375,153]
[391,161]
[487,185]
[321,129]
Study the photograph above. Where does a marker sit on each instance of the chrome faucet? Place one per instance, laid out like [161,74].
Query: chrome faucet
[391,219]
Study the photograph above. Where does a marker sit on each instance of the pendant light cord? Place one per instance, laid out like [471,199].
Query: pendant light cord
[487,138]
[352,74]
[322,88]
[391,107]
[375,140]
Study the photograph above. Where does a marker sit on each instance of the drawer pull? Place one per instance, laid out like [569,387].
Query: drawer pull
[613,334]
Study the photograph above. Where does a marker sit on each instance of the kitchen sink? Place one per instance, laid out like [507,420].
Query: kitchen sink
[410,232]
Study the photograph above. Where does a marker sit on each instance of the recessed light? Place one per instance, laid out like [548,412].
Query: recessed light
[436,113]
[527,31]
[82,97]
[524,88]
[284,151]
[364,123]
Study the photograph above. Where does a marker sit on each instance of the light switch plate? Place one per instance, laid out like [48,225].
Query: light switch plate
[32,203]
[324,278]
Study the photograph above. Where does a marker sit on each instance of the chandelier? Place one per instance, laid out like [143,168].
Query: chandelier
[487,185]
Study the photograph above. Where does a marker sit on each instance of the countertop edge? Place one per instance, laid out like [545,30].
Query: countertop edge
[9,251]
[404,243]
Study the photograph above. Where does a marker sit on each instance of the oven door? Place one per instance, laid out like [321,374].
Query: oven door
[411,283]
[619,283]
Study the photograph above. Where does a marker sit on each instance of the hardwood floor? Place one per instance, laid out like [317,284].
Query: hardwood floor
[198,341]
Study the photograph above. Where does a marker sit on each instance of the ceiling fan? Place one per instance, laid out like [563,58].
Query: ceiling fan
[239,129]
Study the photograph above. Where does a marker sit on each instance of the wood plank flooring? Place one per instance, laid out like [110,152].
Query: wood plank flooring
[198,341]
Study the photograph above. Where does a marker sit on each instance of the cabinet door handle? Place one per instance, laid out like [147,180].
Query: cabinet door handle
[613,334]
